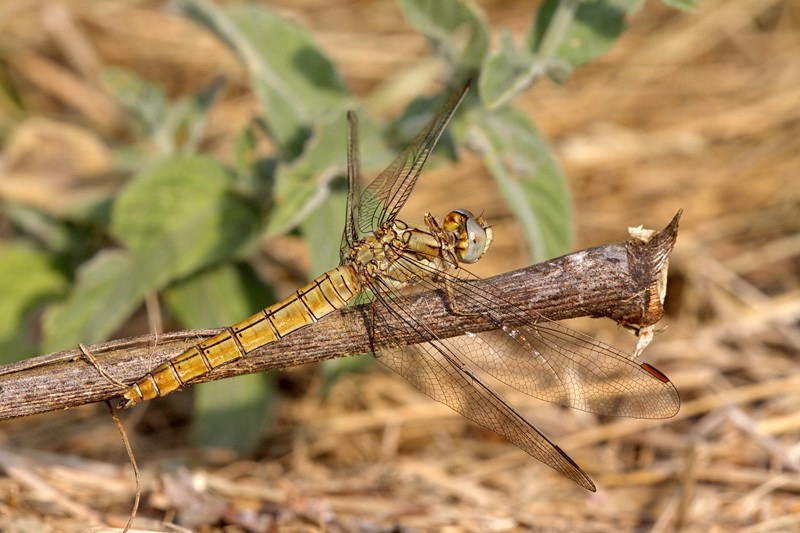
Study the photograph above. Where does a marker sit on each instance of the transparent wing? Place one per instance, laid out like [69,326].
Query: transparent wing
[385,196]
[435,367]
[350,234]
[548,360]
[535,355]
[530,353]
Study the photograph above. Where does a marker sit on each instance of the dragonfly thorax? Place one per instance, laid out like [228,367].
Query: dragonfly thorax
[398,254]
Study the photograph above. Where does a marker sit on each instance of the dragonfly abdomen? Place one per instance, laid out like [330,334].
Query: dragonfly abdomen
[329,292]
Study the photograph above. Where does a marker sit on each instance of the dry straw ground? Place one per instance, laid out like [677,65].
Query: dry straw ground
[694,110]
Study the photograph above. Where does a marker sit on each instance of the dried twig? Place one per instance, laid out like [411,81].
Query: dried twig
[621,281]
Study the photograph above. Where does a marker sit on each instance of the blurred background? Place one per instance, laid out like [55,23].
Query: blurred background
[698,110]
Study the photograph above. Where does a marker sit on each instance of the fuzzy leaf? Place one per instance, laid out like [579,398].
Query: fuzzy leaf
[594,28]
[457,29]
[293,79]
[529,179]
[180,217]
[109,287]
[27,277]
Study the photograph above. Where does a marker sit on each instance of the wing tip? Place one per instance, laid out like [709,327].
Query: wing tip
[587,483]
[656,373]
[674,405]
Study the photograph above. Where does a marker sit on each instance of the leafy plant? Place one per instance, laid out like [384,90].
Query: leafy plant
[186,226]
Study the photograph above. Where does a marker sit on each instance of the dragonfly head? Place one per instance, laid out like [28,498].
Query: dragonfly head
[472,234]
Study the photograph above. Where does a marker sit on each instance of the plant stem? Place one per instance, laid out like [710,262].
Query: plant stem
[557,29]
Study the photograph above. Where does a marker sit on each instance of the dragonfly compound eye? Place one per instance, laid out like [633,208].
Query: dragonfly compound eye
[473,234]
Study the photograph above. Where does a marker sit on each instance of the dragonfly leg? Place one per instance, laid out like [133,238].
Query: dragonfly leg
[447,283]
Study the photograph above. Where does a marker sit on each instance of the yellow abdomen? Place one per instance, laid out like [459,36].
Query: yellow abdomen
[331,291]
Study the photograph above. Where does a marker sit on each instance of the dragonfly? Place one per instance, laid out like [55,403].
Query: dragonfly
[383,257]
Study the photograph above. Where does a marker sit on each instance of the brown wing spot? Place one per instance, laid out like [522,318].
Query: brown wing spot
[656,373]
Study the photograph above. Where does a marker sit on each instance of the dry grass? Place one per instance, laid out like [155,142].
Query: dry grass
[699,111]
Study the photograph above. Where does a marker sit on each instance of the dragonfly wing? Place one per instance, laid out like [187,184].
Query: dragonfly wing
[557,364]
[437,369]
[350,234]
[549,360]
[385,196]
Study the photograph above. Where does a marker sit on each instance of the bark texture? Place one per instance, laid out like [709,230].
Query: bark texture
[623,281]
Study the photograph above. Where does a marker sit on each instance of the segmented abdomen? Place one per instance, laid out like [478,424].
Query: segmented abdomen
[331,291]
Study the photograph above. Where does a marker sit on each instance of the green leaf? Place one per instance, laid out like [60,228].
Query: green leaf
[229,413]
[417,115]
[507,72]
[578,36]
[27,278]
[177,218]
[185,121]
[180,217]
[146,102]
[304,185]
[233,413]
[457,29]
[529,179]
[219,296]
[108,289]
[253,176]
[294,81]
[166,127]
[51,233]
[684,5]
[323,231]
